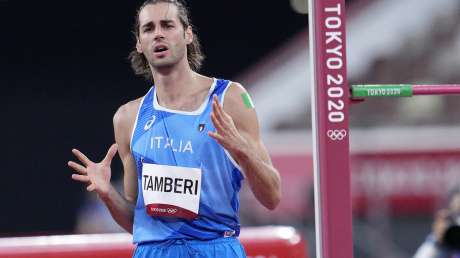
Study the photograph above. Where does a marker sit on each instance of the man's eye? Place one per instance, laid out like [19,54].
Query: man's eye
[147,29]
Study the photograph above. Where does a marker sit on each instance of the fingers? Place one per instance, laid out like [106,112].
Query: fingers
[81,157]
[217,124]
[80,178]
[91,187]
[217,109]
[216,136]
[215,102]
[218,116]
[221,122]
[110,154]
[77,167]
[84,179]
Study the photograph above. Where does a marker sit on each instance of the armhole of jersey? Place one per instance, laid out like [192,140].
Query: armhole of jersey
[225,92]
[235,163]
[135,123]
[226,152]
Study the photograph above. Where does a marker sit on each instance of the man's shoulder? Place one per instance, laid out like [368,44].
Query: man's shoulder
[130,107]
[238,104]
[126,113]
[233,95]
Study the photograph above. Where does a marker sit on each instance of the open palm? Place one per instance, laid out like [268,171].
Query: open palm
[96,175]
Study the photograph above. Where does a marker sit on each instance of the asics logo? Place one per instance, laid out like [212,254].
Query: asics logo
[337,135]
[149,123]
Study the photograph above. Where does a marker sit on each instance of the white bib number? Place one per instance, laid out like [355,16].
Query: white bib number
[171,191]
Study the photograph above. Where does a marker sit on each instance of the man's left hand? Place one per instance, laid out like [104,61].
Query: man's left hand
[226,133]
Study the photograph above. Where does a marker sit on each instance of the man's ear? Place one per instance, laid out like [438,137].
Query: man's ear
[138,46]
[189,35]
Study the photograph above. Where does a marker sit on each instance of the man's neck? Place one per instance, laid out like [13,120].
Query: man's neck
[174,83]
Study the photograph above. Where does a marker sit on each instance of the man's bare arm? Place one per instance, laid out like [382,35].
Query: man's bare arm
[98,175]
[237,130]
[122,207]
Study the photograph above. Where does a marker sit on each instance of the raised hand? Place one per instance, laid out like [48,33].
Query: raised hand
[226,133]
[96,175]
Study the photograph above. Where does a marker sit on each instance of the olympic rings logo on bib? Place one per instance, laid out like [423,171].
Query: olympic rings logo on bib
[337,135]
[172,210]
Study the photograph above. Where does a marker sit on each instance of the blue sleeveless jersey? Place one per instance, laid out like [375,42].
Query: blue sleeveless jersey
[177,138]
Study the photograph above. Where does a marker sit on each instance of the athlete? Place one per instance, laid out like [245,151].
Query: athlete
[186,147]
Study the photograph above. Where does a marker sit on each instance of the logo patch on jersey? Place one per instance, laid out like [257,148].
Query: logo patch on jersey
[201,127]
[149,123]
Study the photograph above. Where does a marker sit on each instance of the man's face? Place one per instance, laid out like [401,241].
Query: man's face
[162,38]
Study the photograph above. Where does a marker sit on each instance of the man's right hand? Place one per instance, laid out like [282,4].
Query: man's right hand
[96,175]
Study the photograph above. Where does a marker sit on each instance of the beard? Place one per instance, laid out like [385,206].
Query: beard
[162,64]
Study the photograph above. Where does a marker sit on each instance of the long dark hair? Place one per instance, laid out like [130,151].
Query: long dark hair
[195,57]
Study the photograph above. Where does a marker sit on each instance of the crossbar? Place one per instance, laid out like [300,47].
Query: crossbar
[402,90]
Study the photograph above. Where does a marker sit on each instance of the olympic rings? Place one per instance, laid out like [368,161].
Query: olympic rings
[171,210]
[337,135]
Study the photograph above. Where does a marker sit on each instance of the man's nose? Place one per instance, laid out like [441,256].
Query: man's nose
[158,34]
